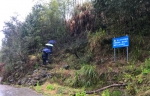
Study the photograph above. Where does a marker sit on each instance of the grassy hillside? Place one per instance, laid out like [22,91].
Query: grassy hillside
[91,67]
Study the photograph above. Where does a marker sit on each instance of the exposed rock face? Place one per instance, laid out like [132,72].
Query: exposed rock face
[38,76]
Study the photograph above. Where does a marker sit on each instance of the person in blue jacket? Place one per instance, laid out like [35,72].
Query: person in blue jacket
[46,52]
[44,57]
[49,46]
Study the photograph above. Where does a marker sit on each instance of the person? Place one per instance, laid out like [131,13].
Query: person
[44,57]
[49,46]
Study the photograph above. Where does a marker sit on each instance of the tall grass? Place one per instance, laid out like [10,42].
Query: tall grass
[146,68]
[86,76]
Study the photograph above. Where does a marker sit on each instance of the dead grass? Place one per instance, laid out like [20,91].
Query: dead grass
[58,90]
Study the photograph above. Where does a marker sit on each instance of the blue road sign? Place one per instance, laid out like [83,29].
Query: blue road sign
[120,42]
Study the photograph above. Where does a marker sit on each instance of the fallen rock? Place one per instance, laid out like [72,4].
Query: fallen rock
[66,66]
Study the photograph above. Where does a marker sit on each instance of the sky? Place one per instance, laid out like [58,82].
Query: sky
[21,8]
[9,8]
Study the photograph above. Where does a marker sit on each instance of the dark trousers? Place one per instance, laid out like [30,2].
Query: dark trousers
[44,61]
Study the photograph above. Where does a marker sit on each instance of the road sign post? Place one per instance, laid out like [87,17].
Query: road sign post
[120,42]
[127,54]
[114,55]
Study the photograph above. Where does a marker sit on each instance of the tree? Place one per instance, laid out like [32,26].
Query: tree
[11,50]
[123,16]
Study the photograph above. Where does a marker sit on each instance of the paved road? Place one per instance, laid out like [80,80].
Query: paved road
[6,90]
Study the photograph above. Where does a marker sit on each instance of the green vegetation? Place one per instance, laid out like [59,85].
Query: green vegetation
[86,76]
[38,88]
[84,35]
[80,94]
[50,87]
[106,93]
[116,93]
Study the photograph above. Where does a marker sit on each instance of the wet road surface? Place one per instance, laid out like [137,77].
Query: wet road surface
[6,90]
